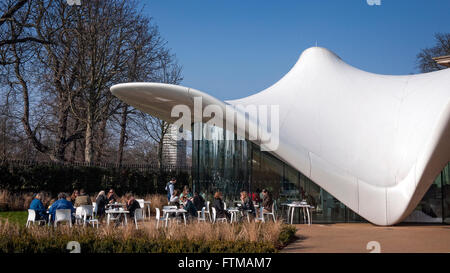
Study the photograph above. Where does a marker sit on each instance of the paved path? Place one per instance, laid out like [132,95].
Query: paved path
[353,238]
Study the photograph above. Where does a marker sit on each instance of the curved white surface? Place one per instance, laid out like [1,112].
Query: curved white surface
[375,142]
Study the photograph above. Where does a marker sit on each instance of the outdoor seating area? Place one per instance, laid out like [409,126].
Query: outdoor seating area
[182,207]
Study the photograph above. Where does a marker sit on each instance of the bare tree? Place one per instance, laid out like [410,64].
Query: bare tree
[155,128]
[425,57]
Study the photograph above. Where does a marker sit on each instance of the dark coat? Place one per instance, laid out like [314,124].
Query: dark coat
[267,202]
[101,201]
[221,212]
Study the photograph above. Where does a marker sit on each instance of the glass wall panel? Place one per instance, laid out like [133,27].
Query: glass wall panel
[446,193]
[231,166]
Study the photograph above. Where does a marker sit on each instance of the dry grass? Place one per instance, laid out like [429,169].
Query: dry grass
[252,232]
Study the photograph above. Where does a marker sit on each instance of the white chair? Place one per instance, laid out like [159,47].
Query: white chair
[159,218]
[214,216]
[138,216]
[142,205]
[208,210]
[260,215]
[201,215]
[94,209]
[79,217]
[32,218]
[88,215]
[271,213]
[63,215]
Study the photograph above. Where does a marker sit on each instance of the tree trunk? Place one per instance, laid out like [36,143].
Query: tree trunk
[123,132]
[88,149]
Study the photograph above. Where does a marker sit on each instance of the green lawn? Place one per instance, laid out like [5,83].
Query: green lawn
[19,217]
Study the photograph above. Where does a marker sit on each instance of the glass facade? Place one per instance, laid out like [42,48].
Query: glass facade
[231,166]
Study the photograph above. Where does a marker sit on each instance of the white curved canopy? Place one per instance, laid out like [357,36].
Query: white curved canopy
[375,142]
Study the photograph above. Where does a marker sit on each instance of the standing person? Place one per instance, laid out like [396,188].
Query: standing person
[218,205]
[112,197]
[38,207]
[82,199]
[61,203]
[199,201]
[74,195]
[267,201]
[170,187]
[101,201]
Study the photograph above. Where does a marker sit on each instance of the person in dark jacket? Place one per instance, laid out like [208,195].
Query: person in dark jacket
[112,197]
[132,205]
[38,207]
[267,201]
[61,203]
[247,203]
[199,202]
[188,206]
[101,201]
[218,205]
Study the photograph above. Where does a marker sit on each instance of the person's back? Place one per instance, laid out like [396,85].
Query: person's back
[190,208]
[267,202]
[82,200]
[199,202]
[39,208]
[132,205]
[60,204]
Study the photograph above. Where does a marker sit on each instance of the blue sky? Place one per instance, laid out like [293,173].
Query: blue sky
[235,48]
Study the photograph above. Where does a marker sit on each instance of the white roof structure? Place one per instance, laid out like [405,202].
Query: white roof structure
[375,142]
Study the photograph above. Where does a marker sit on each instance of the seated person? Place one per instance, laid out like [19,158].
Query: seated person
[174,199]
[112,197]
[74,195]
[219,206]
[38,207]
[132,205]
[247,203]
[82,199]
[186,192]
[61,203]
[267,201]
[198,201]
[101,201]
[188,206]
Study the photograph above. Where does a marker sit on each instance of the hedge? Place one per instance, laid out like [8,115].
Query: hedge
[65,178]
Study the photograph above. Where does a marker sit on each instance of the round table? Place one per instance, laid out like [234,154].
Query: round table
[120,212]
[176,211]
[233,212]
[306,213]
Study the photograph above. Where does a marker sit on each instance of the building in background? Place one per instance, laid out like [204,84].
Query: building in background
[174,149]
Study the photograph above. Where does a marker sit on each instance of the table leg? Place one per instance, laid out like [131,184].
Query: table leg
[107,219]
[126,221]
[184,218]
[309,216]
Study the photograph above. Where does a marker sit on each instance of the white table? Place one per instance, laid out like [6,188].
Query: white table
[119,212]
[306,213]
[233,212]
[167,212]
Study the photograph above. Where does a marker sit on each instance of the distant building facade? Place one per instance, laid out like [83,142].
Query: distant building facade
[174,150]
